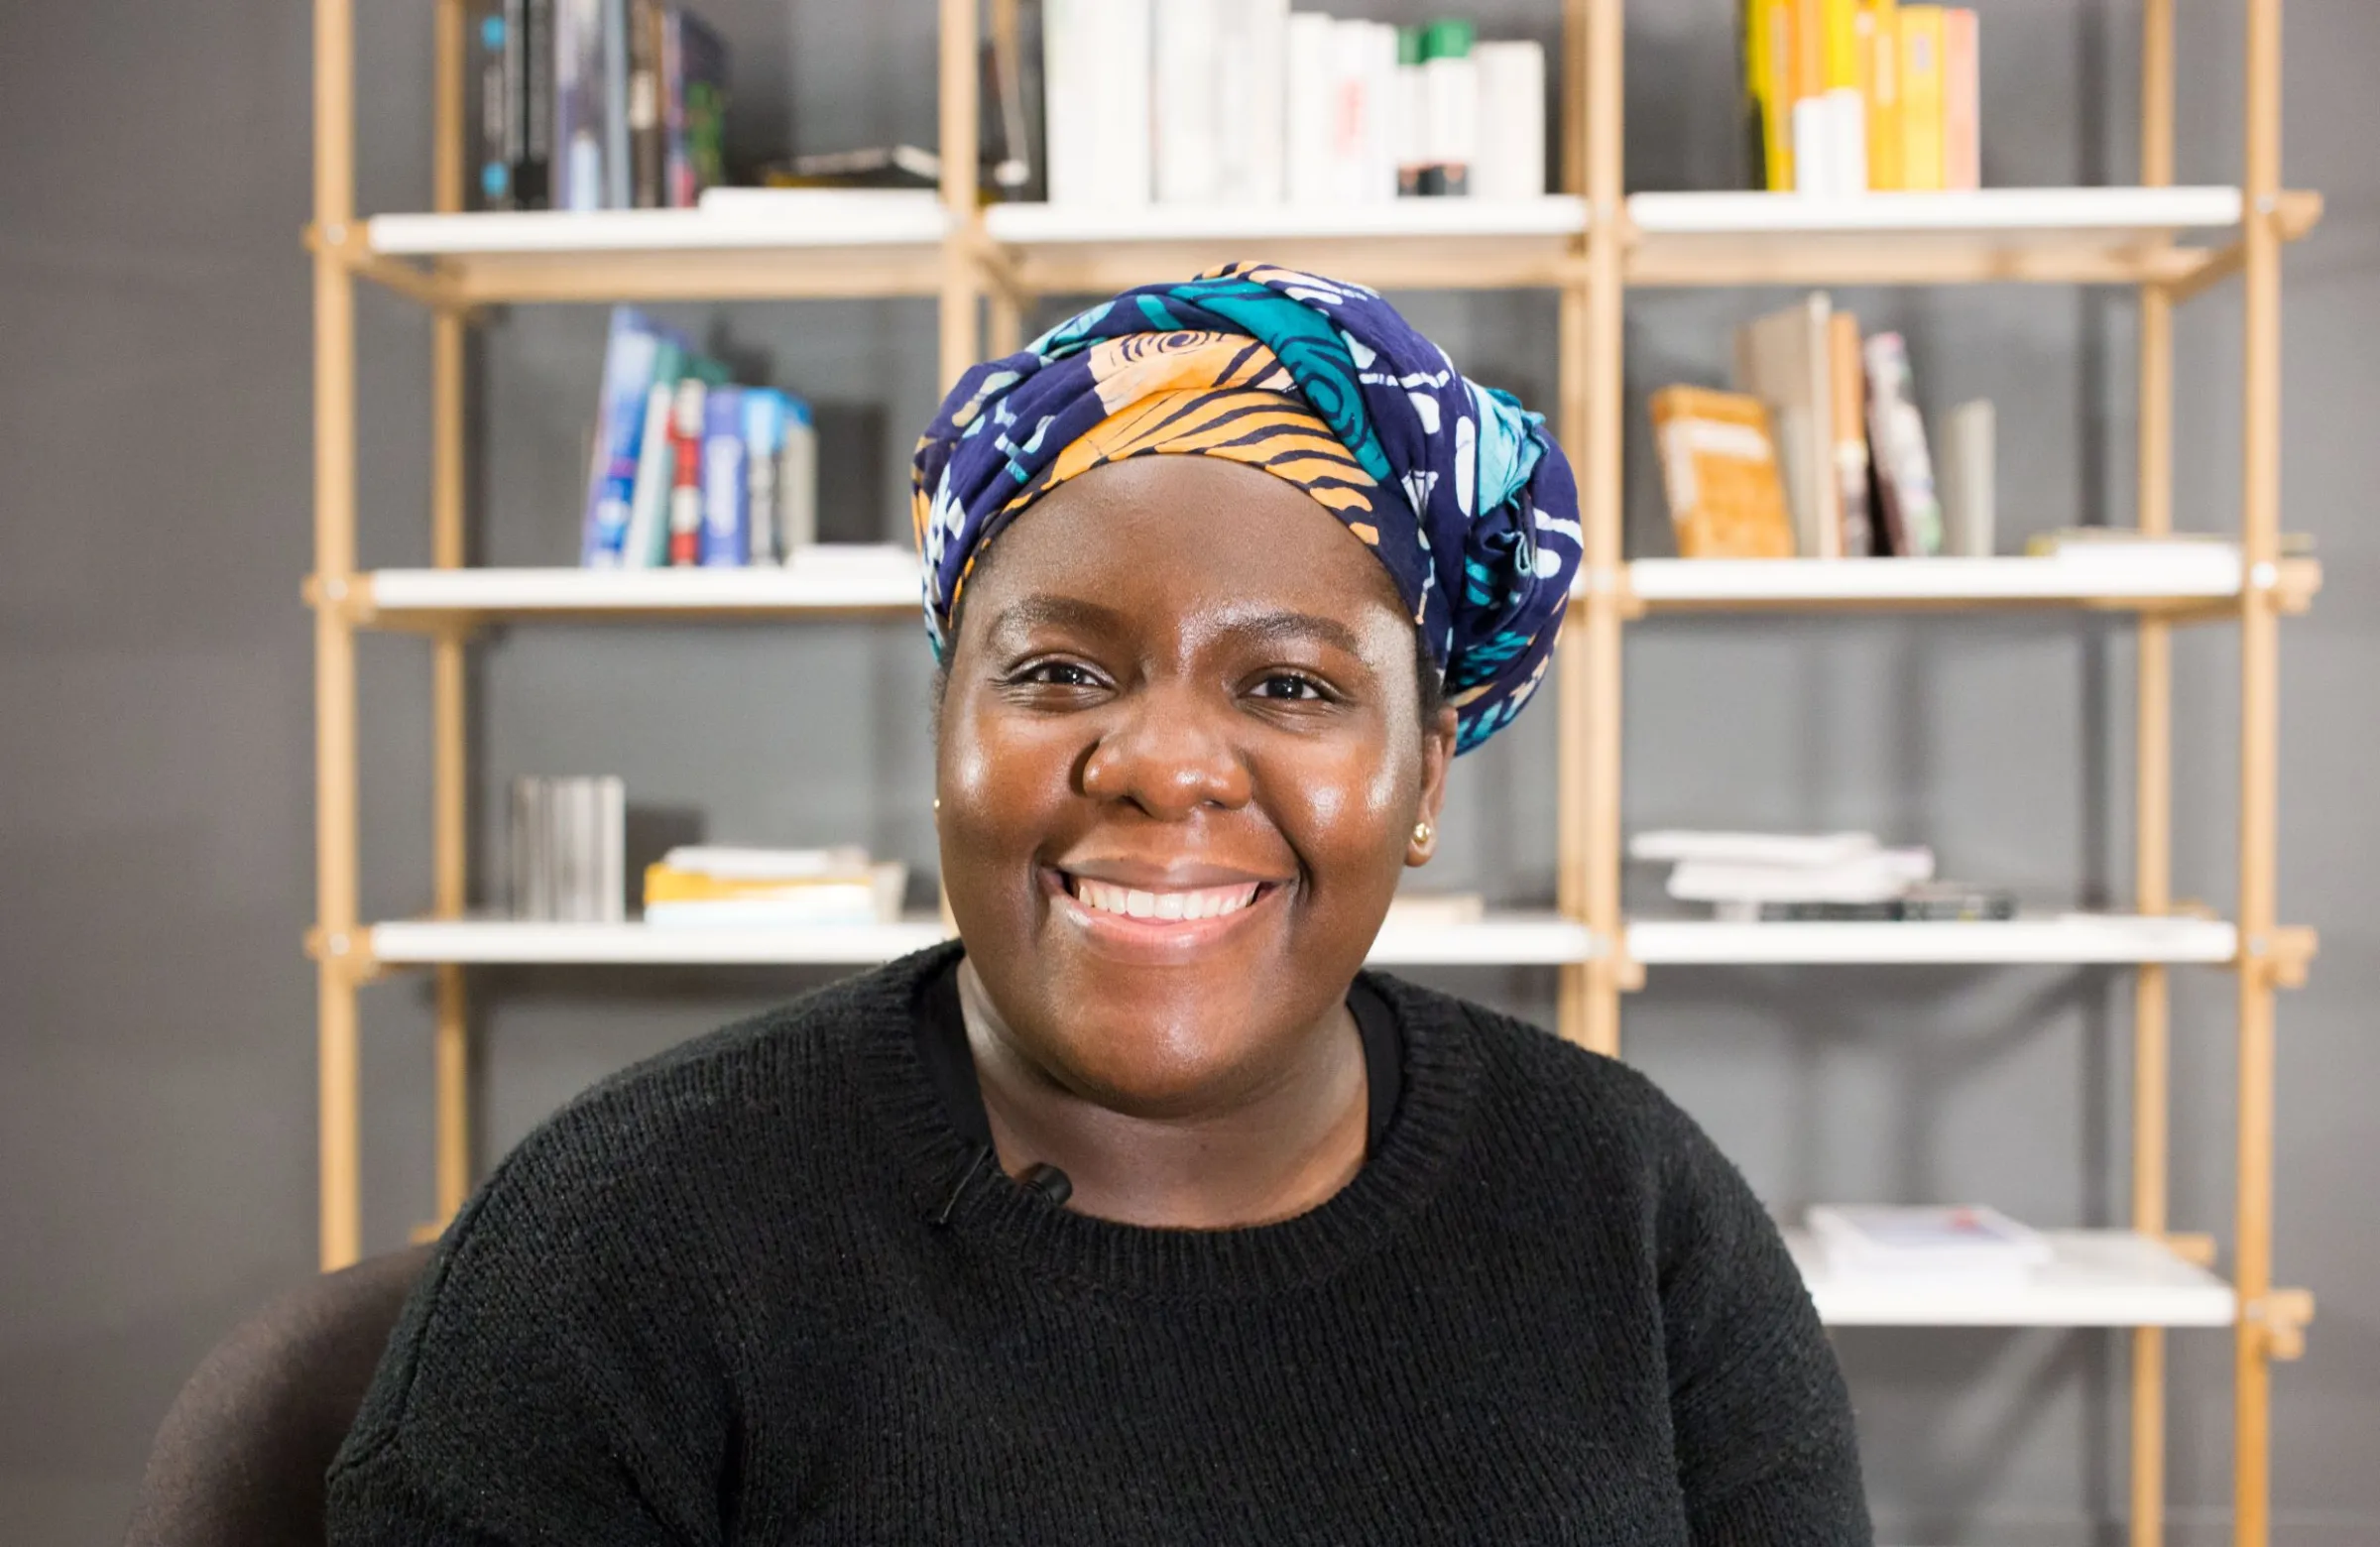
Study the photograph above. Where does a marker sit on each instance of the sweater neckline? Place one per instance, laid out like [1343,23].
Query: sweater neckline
[954,1188]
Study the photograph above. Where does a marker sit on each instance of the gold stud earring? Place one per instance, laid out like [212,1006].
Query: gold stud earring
[937,803]
[1422,833]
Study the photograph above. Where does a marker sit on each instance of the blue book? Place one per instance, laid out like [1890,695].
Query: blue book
[726,503]
[763,441]
[628,360]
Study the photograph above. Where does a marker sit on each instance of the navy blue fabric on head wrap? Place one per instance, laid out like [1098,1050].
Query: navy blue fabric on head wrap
[1457,488]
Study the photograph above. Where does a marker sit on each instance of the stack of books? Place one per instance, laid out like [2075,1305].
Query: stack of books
[1968,1246]
[707,885]
[1848,876]
[594,104]
[566,850]
[1203,101]
[689,469]
[1852,96]
[1820,451]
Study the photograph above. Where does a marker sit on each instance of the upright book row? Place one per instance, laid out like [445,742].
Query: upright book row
[689,469]
[1847,96]
[595,104]
[1196,101]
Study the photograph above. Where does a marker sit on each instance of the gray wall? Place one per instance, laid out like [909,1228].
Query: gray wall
[156,1041]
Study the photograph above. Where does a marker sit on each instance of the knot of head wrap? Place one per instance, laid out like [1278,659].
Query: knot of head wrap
[1456,489]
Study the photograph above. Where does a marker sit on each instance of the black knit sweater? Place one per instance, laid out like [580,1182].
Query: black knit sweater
[718,1299]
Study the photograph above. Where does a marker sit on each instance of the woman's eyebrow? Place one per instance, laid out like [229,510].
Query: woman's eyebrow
[1056,612]
[1273,627]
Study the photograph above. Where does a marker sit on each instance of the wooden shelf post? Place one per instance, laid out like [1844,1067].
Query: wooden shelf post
[334,637]
[960,264]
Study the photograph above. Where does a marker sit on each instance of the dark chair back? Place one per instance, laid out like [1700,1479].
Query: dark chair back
[241,1458]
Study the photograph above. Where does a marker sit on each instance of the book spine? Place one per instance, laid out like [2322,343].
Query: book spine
[628,362]
[1411,110]
[1254,99]
[697,137]
[1310,107]
[1773,25]
[619,188]
[1921,84]
[1961,108]
[797,482]
[1451,90]
[685,486]
[1124,122]
[1897,439]
[764,447]
[1967,498]
[645,103]
[577,79]
[1511,137]
[533,88]
[648,541]
[1350,111]
[1882,18]
[1849,400]
[490,144]
[726,533]
[1063,143]
[1189,142]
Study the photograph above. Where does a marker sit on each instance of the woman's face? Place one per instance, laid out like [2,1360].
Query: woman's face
[1179,772]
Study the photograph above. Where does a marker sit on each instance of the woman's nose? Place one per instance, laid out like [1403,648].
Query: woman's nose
[1168,751]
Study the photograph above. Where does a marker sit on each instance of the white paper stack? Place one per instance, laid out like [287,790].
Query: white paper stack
[1739,872]
[709,886]
[1968,1244]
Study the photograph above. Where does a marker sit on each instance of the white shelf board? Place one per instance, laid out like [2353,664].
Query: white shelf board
[2056,939]
[2097,1278]
[1518,939]
[2113,573]
[842,223]
[1077,224]
[833,578]
[1984,210]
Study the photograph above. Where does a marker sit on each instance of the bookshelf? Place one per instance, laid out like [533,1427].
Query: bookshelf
[1590,243]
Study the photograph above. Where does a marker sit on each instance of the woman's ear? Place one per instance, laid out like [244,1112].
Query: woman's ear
[1437,754]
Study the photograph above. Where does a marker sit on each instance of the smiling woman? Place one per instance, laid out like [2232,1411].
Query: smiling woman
[1140,1212]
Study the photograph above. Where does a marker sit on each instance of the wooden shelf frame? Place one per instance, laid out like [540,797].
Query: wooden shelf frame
[1591,245]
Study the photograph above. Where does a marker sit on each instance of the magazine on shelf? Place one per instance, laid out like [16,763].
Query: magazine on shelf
[1969,1242]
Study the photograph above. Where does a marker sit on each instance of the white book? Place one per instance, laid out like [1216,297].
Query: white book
[1252,100]
[1452,88]
[1785,359]
[1353,153]
[1847,141]
[1969,433]
[1123,121]
[797,485]
[1066,106]
[611,853]
[1879,876]
[1310,100]
[1969,1243]
[1509,161]
[1189,101]
[730,863]
[1670,845]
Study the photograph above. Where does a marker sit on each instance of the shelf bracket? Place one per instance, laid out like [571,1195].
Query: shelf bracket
[2284,954]
[349,953]
[2279,1317]
[2293,212]
[428,287]
[349,596]
[2195,1249]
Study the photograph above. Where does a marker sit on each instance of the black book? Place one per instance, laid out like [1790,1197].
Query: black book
[490,116]
[532,96]
[1948,907]
[645,161]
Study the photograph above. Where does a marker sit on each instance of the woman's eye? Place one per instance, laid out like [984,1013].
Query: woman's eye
[1057,673]
[1290,687]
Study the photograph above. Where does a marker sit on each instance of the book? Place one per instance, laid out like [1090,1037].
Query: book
[732,861]
[785,887]
[1878,875]
[686,424]
[725,529]
[1920,86]
[1967,456]
[1769,88]
[1412,114]
[1883,40]
[1970,1244]
[579,134]
[764,444]
[619,188]
[1066,70]
[1188,44]
[629,349]
[644,111]
[532,89]
[797,484]
[1510,159]
[1254,99]
[1783,359]
[1934,903]
[1896,438]
[1848,378]
[1309,108]
[1008,128]
[646,544]
[1355,116]
[694,80]
[1718,472]
[1670,845]
[1121,68]
[1961,106]
[491,116]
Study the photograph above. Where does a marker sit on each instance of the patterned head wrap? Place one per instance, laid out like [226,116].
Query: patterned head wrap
[1456,489]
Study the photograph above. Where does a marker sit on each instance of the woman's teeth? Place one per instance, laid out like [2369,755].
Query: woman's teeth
[1197,902]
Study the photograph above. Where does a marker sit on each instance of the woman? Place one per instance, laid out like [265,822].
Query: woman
[1138,1214]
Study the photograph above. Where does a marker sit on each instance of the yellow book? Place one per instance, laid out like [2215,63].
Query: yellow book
[1880,19]
[1768,54]
[1719,468]
[1921,59]
[1840,49]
